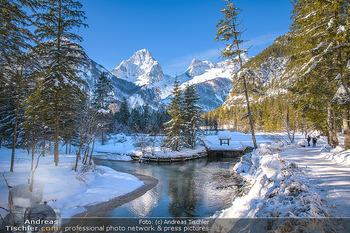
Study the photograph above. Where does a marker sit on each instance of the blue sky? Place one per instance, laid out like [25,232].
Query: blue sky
[175,31]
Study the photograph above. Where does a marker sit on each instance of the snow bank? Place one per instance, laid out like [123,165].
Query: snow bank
[117,144]
[274,188]
[62,188]
[338,155]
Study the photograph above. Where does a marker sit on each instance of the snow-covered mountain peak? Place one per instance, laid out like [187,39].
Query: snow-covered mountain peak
[198,67]
[141,69]
[142,56]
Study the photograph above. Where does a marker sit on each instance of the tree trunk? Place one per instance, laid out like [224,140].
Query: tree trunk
[43,147]
[33,154]
[346,114]
[79,151]
[103,142]
[89,134]
[15,130]
[77,161]
[290,136]
[86,154]
[93,147]
[56,133]
[56,141]
[332,131]
[306,128]
[32,167]
[251,123]
[346,126]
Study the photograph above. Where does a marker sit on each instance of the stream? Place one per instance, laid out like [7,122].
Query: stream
[196,188]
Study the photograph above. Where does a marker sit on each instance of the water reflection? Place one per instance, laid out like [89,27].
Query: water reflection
[197,188]
[183,194]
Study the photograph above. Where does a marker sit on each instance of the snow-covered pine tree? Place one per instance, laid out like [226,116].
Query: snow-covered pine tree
[103,93]
[7,110]
[102,98]
[145,122]
[192,116]
[228,31]
[122,116]
[14,22]
[14,40]
[19,79]
[135,119]
[320,36]
[162,117]
[175,127]
[60,91]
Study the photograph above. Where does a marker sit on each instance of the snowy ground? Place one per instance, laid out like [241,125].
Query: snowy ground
[63,189]
[117,148]
[292,181]
[329,172]
[238,140]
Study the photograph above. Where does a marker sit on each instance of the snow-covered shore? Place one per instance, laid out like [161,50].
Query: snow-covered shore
[278,188]
[64,189]
[156,152]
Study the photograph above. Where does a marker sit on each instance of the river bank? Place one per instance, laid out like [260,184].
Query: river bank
[102,208]
[280,187]
[83,189]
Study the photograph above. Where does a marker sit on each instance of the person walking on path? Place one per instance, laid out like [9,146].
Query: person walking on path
[308,140]
[314,141]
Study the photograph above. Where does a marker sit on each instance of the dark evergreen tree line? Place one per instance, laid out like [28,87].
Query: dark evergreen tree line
[142,119]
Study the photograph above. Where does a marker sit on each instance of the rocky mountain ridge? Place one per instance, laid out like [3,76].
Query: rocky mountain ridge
[141,80]
[269,67]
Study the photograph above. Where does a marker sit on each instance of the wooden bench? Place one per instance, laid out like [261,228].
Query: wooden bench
[224,139]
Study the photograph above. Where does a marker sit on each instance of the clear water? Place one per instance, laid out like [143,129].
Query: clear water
[197,188]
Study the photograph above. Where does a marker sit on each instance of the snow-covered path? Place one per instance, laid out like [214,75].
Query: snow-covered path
[331,180]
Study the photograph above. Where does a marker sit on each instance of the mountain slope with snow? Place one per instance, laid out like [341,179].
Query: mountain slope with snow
[213,93]
[142,83]
[212,81]
[198,67]
[92,71]
[141,80]
[269,67]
